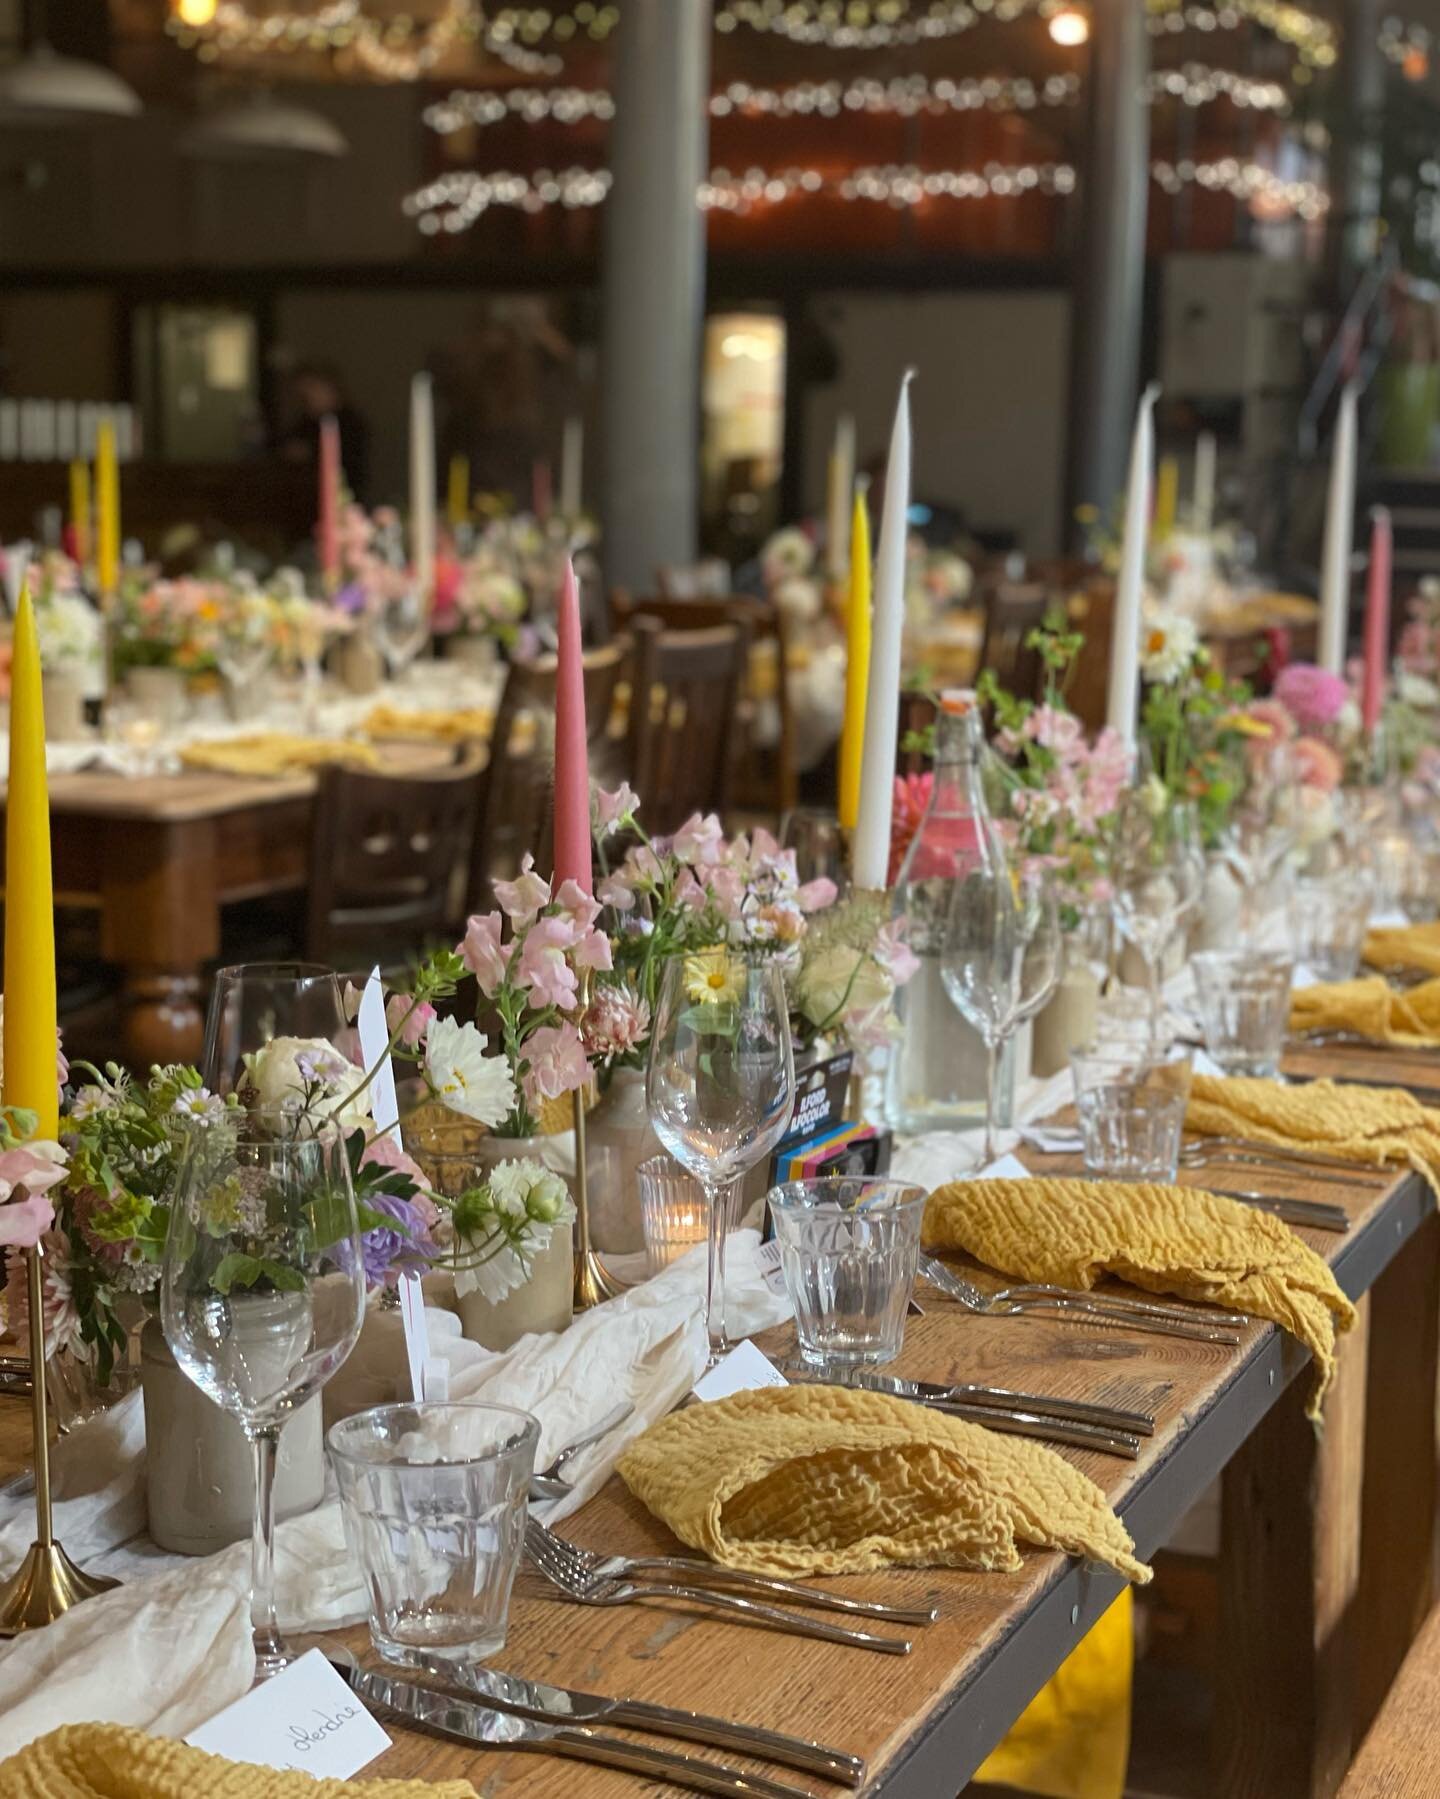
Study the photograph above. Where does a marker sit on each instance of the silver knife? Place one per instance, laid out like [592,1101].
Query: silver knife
[546,1704]
[1017,1421]
[1078,1411]
[486,1728]
[1310,1212]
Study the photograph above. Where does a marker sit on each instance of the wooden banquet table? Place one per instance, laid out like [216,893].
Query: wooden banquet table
[160,855]
[1325,1571]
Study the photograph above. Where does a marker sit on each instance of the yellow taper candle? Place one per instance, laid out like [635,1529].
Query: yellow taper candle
[1167,496]
[107,510]
[457,490]
[29,893]
[80,509]
[857,663]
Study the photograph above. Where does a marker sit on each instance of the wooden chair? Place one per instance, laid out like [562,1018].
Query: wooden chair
[516,802]
[687,688]
[1013,610]
[917,713]
[1091,612]
[389,856]
[765,777]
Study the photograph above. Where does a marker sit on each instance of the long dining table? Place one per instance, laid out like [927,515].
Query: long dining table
[160,856]
[1325,1571]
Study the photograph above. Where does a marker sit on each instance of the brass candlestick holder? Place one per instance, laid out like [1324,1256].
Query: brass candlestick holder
[47,1583]
[593,1285]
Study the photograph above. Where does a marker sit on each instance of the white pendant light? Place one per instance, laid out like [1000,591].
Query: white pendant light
[44,88]
[262,129]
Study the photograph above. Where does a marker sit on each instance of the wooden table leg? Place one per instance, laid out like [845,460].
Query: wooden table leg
[160,922]
[1289,1572]
[1397,1566]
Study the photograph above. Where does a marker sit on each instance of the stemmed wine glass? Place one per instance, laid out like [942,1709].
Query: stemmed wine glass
[402,624]
[252,1003]
[262,1292]
[1261,830]
[1157,868]
[720,1084]
[1001,961]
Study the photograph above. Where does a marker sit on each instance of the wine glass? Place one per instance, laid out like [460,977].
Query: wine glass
[720,1084]
[262,1291]
[402,624]
[1001,961]
[1157,870]
[253,1002]
[1264,824]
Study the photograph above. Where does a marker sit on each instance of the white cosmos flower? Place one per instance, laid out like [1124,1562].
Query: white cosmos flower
[1167,648]
[464,1077]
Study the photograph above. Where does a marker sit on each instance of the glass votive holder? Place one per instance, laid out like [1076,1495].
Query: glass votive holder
[1330,915]
[849,1246]
[434,1502]
[674,1212]
[1244,1001]
[1131,1107]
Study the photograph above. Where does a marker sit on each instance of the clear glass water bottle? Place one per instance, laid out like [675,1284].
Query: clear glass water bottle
[937,1072]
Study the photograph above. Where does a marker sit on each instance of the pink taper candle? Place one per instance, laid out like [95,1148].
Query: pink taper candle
[327,524]
[1377,621]
[572,761]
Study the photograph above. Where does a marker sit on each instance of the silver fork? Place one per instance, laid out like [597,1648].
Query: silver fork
[547,1483]
[588,1590]
[1246,1151]
[589,1564]
[1106,1308]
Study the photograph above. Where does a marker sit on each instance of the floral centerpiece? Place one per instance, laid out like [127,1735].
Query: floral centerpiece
[936,581]
[1193,721]
[790,572]
[167,624]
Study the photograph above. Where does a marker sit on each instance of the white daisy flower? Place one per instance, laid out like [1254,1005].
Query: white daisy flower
[1167,648]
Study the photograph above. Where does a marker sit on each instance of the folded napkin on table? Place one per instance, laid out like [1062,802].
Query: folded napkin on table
[1367,1125]
[837,1480]
[445,725]
[1371,1008]
[271,754]
[1178,1240]
[1404,946]
[104,1761]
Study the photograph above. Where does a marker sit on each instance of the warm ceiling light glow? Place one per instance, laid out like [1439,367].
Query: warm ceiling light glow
[196,12]
[1070,27]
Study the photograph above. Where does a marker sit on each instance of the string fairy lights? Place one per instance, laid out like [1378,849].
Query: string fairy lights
[452,203]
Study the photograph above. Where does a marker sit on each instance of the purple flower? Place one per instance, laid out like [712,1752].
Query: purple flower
[403,1247]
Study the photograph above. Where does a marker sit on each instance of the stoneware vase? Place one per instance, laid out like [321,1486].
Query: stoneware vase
[618,1138]
[358,664]
[160,693]
[63,691]
[199,1466]
[546,1301]
[1067,1019]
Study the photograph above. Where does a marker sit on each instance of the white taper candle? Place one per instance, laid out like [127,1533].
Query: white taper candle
[1339,537]
[422,485]
[1124,687]
[870,857]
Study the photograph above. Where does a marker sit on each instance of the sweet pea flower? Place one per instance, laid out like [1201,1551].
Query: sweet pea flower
[816,895]
[481,953]
[417,1018]
[544,966]
[609,811]
[591,950]
[894,954]
[614,892]
[556,1063]
[523,897]
[700,841]
[35,1167]
[577,903]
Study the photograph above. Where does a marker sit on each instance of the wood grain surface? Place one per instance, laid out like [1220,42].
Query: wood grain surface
[1398,1758]
[872,1705]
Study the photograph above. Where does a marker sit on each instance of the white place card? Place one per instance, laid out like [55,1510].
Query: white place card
[1004,1168]
[1390,919]
[306,1718]
[744,1369]
[767,1260]
[1204,1063]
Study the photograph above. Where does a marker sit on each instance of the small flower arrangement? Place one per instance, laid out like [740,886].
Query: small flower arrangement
[936,580]
[788,570]
[168,624]
[373,561]
[1190,722]
[501,1224]
[852,961]
[70,632]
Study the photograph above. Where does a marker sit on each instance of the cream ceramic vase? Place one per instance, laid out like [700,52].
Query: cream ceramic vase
[161,693]
[618,1138]
[474,652]
[1217,923]
[359,664]
[1067,1019]
[63,693]
[199,1466]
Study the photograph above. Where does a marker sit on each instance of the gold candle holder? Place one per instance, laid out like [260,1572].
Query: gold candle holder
[592,1284]
[47,1583]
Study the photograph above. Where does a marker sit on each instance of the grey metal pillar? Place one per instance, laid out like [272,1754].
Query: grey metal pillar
[1109,289]
[1356,156]
[654,289]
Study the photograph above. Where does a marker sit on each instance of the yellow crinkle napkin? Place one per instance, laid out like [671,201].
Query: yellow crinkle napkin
[268,755]
[1404,946]
[1368,1125]
[457,725]
[1372,1008]
[1178,1240]
[835,1480]
[110,1761]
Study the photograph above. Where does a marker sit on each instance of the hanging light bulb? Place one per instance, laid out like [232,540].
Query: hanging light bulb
[1070,27]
